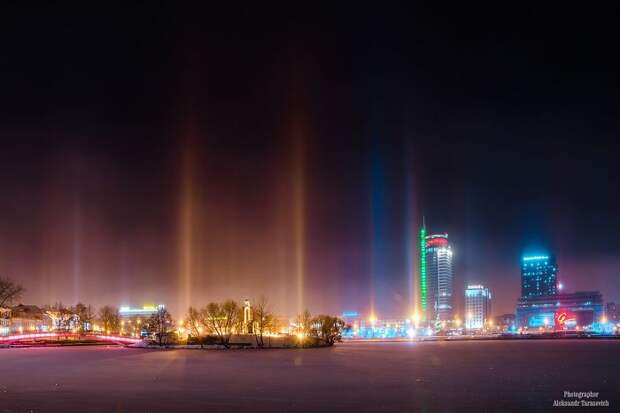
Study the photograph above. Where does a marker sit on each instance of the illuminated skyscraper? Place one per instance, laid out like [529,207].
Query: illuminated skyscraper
[538,276]
[477,306]
[439,277]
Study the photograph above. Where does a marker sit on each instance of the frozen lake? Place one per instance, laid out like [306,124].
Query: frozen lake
[432,376]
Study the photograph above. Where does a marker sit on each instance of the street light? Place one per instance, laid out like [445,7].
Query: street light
[416,318]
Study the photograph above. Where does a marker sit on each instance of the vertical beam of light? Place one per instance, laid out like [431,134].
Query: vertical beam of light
[377,230]
[186,225]
[298,183]
[410,244]
[411,233]
[76,250]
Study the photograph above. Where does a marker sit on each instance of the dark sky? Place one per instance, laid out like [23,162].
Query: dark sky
[187,154]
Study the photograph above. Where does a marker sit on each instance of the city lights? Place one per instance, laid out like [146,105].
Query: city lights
[251,206]
[536,258]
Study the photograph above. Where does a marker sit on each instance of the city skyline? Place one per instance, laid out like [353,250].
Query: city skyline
[432,244]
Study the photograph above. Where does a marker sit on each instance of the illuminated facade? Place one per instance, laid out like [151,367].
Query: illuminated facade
[423,281]
[477,307]
[29,319]
[439,274]
[144,312]
[538,276]
[506,322]
[393,328]
[612,312]
[5,321]
[579,310]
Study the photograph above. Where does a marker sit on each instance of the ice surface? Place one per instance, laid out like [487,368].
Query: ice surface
[432,376]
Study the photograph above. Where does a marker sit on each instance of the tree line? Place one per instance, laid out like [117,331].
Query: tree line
[215,323]
[225,319]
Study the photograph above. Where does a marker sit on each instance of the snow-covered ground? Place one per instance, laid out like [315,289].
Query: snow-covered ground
[432,376]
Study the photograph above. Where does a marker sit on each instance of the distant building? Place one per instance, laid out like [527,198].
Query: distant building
[30,318]
[5,321]
[612,312]
[352,322]
[133,319]
[561,312]
[388,328]
[477,307]
[538,276]
[144,312]
[438,277]
[505,322]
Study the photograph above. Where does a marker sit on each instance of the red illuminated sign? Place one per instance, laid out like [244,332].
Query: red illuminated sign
[564,319]
[561,318]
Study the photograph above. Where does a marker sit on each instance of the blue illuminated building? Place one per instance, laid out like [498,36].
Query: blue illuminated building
[542,308]
[538,276]
[357,327]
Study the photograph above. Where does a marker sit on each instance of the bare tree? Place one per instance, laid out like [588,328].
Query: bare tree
[160,324]
[328,329]
[195,324]
[304,323]
[110,318]
[264,320]
[86,315]
[9,291]
[63,318]
[223,319]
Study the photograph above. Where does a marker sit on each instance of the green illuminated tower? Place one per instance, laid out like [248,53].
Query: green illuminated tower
[423,286]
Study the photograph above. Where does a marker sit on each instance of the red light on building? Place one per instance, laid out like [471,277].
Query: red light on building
[564,320]
[561,318]
[437,242]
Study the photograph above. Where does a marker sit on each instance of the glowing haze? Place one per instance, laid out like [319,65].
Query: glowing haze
[177,156]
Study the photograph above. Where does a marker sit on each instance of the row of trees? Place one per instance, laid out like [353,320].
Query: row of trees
[83,317]
[225,319]
[219,320]
[319,330]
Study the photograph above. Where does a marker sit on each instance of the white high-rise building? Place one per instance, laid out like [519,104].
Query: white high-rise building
[477,307]
[440,275]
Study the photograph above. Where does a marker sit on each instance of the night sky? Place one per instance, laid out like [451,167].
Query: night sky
[182,155]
